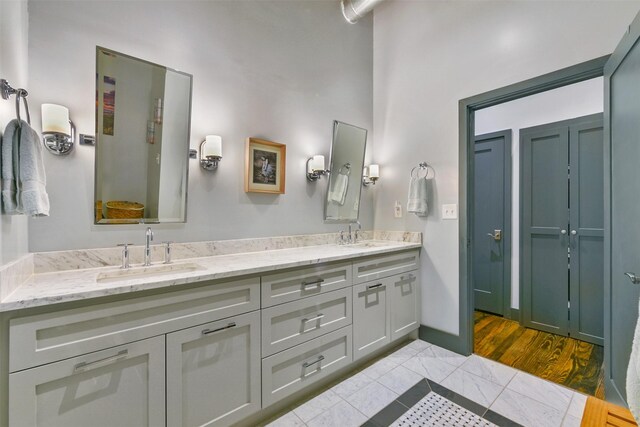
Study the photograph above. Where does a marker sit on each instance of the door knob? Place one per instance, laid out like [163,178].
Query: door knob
[574,232]
[634,279]
[497,235]
[563,232]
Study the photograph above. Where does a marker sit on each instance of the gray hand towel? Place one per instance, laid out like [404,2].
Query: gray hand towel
[340,187]
[9,149]
[33,199]
[417,203]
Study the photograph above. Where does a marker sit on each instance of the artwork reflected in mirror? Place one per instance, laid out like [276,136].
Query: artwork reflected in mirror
[143,119]
[342,204]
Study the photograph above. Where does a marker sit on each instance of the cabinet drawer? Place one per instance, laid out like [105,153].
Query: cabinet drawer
[289,371]
[385,266]
[44,338]
[278,288]
[286,325]
[121,386]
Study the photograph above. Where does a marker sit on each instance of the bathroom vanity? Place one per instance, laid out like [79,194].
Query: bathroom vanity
[211,341]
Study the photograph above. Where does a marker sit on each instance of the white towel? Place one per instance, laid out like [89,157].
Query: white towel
[633,375]
[10,144]
[417,202]
[339,192]
[33,199]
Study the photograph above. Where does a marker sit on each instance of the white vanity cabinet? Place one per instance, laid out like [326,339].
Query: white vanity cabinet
[388,307]
[213,372]
[208,354]
[404,304]
[120,386]
[371,317]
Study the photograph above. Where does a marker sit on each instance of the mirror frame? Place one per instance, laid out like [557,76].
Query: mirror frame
[336,123]
[96,156]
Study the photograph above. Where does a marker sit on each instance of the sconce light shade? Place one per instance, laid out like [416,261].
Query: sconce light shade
[58,132]
[213,146]
[371,175]
[315,168]
[211,152]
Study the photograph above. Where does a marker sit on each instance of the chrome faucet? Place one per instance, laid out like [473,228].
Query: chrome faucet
[350,236]
[357,232]
[147,246]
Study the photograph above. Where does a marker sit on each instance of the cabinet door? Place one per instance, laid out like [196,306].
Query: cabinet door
[213,372]
[404,304]
[121,386]
[371,322]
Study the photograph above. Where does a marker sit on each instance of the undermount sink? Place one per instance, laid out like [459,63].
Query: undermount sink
[368,245]
[143,272]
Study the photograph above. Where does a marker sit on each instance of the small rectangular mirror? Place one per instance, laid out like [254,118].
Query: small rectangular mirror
[143,122]
[342,204]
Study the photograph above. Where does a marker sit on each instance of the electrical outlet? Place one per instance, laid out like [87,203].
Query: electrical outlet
[450,211]
[397,210]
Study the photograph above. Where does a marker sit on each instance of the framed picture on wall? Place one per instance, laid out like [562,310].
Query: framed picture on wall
[265,166]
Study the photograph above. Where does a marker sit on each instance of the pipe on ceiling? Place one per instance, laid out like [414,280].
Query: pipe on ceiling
[352,10]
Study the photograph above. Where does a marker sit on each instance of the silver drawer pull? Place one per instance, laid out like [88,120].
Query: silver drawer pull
[311,319]
[318,360]
[374,286]
[315,282]
[97,363]
[213,331]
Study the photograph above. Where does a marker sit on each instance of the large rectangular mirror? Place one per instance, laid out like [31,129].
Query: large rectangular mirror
[342,204]
[143,121]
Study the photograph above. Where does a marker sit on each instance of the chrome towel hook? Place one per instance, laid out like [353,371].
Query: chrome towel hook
[6,91]
[422,166]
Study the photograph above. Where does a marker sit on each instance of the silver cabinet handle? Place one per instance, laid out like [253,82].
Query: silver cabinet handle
[318,360]
[315,282]
[100,362]
[563,232]
[311,319]
[374,286]
[574,232]
[213,331]
[634,279]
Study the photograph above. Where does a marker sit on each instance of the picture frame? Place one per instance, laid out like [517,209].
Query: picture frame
[265,166]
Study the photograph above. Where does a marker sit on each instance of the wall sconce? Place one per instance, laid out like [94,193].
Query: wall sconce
[315,168]
[211,152]
[58,132]
[371,175]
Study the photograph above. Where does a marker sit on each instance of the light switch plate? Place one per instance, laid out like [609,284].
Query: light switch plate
[397,210]
[450,211]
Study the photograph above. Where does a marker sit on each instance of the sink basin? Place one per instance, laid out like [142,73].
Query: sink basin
[143,272]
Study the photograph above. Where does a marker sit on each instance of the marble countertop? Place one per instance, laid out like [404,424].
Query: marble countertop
[75,285]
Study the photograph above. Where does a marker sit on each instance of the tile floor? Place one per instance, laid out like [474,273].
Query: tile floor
[513,394]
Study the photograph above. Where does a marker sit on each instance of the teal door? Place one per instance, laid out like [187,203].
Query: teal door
[544,160]
[562,221]
[491,250]
[622,208]
[586,236]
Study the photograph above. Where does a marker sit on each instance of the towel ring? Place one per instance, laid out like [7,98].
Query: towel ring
[21,93]
[415,172]
[346,166]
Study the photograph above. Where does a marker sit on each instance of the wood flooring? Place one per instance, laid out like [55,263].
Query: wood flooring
[563,360]
[598,413]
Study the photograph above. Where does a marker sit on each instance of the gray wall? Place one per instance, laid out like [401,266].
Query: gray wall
[429,55]
[14,68]
[278,70]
